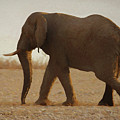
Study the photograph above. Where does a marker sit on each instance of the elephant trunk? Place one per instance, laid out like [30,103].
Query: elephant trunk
[25,59]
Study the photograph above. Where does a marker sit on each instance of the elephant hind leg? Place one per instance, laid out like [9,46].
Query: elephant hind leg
[108,73]
[111,83]
[107,99]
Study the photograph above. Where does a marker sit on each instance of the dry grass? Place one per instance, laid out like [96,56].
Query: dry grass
[14,64]
[89,90]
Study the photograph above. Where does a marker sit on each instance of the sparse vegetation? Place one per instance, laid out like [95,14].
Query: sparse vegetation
[14,64]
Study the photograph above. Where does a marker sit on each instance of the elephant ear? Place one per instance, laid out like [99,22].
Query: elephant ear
[41,30]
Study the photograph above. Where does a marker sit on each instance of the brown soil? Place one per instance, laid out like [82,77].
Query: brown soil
[89,90]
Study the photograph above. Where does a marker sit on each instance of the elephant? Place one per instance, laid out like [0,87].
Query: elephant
[91,43]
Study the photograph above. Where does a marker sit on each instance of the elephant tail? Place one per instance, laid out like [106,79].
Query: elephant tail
[118,70]
[118,59]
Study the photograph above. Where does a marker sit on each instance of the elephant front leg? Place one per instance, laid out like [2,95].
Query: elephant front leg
[107,99]
[64,77]
[47,83]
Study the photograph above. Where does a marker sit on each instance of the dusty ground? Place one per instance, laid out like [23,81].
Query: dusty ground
[89,91]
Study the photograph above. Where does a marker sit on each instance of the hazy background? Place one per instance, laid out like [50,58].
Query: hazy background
[13,14]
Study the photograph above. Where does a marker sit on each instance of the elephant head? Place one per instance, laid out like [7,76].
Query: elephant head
[33,35]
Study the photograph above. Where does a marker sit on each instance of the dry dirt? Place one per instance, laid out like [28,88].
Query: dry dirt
[89,90]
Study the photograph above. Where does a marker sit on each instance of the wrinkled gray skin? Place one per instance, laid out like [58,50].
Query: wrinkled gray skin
[88,44]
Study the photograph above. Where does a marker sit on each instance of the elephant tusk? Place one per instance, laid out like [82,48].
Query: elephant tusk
[13,53]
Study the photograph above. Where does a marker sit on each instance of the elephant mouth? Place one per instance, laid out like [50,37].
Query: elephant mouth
[13,53]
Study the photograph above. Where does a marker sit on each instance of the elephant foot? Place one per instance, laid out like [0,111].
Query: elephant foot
[44,102]
[106,103]
[71,103]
